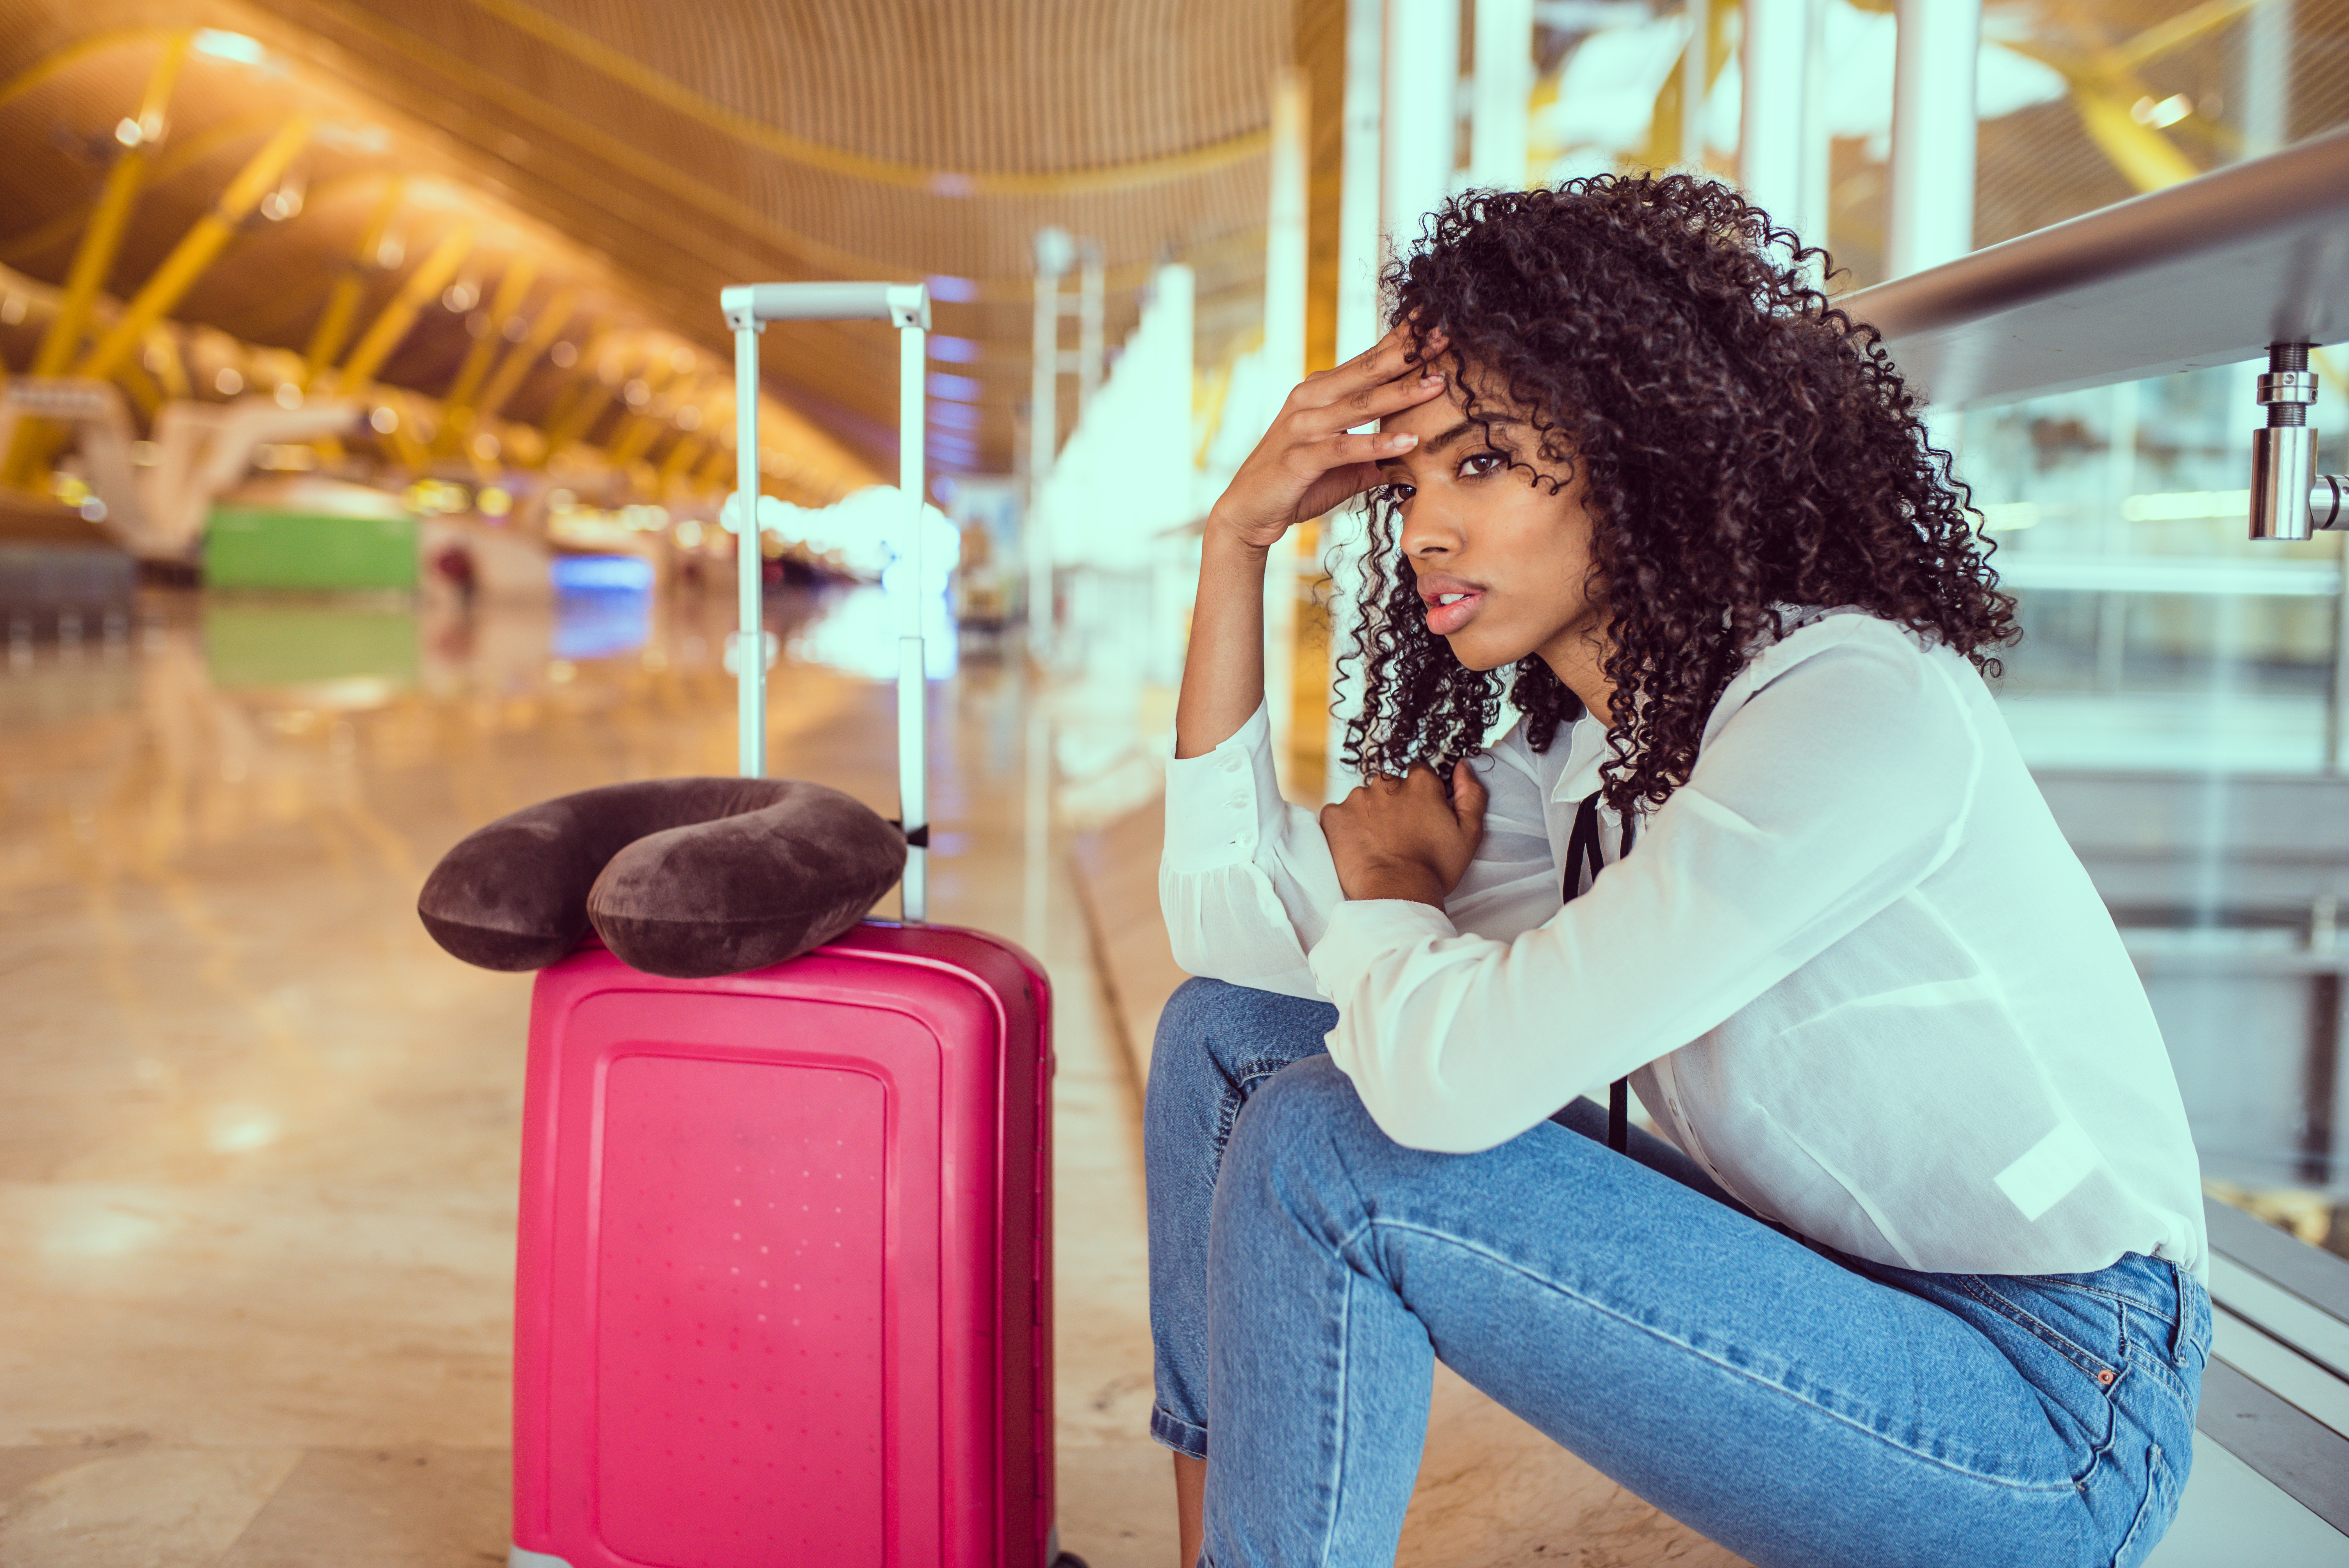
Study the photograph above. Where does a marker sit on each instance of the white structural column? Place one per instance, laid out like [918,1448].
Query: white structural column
[1053,257]
[1284,365]
[1422,108]
[1933,134]
[1774,162]
[1501,98]
[1362,174]
[2266,83]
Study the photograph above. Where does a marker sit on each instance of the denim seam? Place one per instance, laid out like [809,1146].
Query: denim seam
[1338,1448]
[2156,1471]
[2079,1356]
[1750,1376]
[2052,1282]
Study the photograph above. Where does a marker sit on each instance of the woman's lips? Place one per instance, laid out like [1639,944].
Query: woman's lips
[1443,619]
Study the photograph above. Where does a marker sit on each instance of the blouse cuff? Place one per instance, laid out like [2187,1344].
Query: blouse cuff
[1222,804]
[1365,932]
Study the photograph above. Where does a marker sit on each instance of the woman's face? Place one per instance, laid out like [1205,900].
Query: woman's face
[1503,562]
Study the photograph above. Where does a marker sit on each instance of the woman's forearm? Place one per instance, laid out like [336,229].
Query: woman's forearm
[1223,674]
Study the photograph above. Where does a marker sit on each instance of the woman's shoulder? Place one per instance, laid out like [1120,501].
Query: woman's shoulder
[1806,633]
[1891,658]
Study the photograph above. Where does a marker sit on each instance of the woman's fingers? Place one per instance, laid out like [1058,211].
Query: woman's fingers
[1468,797]
[1337,451]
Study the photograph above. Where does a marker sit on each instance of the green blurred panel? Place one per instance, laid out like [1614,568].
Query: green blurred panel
[261,644]
[251,549]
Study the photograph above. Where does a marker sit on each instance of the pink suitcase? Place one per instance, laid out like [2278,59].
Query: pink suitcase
[784,1278]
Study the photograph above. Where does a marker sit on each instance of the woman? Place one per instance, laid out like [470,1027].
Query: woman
[1913,1276]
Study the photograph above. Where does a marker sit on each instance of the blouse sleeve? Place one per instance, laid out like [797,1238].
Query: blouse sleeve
[1248,886]
[1838,786]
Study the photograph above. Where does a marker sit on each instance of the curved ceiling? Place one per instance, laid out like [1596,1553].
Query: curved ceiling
[646,156]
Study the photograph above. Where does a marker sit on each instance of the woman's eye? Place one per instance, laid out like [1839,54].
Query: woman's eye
[1476,465]
[1399,493]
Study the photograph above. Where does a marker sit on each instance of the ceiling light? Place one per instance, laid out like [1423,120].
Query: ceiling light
[952,290]
[235,47]
[952,350]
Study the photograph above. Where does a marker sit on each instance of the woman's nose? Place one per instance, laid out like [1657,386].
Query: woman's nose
[1427,530]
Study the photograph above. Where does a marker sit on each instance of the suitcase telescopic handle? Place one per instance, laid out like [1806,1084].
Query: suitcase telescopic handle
[907,307]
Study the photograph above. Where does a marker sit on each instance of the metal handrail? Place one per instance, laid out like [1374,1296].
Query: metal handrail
[2207,273]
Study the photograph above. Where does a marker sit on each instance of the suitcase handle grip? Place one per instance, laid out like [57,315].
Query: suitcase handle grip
[748,308]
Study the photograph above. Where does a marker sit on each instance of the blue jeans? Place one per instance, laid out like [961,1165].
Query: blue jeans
[1796,1405]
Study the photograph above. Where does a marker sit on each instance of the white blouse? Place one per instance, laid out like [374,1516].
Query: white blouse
[1851,966]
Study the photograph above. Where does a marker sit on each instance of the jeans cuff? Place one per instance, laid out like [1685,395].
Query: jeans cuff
[1177,1433]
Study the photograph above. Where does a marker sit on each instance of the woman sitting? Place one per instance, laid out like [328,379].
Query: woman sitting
[1912,1274]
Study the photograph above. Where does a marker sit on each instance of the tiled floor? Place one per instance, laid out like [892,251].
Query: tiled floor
[257,1154]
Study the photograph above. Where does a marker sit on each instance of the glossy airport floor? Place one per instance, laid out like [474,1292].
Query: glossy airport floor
[257,1154]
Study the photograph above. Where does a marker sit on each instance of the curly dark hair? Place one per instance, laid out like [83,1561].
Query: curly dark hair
[1745,448]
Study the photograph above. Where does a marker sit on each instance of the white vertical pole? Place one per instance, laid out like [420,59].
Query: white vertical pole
[1501,98]
[1696,81]
[1090,347]
[913,682]
[1775,82]
[750,647]
[1933,134]
[1284,364]
[1362,176]
[1422,67]
[1043,436]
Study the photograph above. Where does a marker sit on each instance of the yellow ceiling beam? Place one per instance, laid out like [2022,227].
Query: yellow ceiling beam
[715,467]
[643,429]
[197,249]
[2163,38]
[102,240]
[391,326]
[574,422]
[512,289]
[55,64]
[327,338]
[507,379]
[680,458]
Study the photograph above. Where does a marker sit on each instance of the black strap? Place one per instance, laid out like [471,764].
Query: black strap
[1583,864]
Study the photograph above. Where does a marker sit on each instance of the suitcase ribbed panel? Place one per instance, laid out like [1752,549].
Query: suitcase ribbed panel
[740,1270]
[784,1265]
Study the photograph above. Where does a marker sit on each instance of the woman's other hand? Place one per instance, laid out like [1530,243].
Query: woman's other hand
[1307,463]
[1402,838]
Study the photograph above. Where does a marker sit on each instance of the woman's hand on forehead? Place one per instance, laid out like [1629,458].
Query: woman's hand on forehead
[1310,461]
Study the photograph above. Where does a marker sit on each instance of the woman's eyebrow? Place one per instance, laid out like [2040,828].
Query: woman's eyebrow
[1436,444]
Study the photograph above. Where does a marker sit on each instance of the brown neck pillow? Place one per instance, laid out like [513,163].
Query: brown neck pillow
[683,877]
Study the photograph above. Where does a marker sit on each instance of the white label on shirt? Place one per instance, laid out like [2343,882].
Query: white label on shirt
[2049,1170]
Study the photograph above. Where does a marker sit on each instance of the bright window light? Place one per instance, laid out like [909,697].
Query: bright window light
[952,290]
[957,389]
[235,47]
[952,350]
